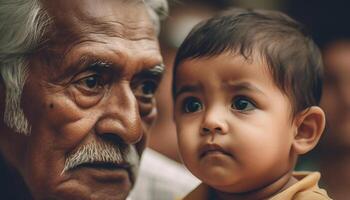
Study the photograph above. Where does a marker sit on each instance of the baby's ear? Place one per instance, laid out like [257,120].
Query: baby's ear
[310,125]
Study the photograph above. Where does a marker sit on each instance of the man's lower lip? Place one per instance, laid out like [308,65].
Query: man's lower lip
[106,174]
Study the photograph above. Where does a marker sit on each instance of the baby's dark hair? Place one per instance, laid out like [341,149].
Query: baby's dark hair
[293,58]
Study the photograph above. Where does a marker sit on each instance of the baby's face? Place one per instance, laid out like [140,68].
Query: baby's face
[235,130]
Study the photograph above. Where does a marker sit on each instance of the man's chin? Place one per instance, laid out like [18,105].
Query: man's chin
[93,183]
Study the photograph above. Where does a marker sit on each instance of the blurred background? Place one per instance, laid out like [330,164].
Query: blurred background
[329,24]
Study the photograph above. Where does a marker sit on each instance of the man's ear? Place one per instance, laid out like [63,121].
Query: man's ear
[2,100]
[310,125]
[2,93]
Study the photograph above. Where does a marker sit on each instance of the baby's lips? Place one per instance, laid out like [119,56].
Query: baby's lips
[212,147]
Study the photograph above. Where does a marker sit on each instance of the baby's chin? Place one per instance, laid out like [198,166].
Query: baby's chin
[224,184]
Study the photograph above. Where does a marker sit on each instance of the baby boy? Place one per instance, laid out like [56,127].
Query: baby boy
[247,85]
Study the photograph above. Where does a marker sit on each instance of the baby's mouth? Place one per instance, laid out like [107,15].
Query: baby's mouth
[210,148]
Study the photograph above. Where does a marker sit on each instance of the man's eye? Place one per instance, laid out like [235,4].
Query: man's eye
[192,104]
[146,89]
[144,93]
[90,83]
[242,104]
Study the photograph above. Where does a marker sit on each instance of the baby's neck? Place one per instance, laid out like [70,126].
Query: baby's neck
[265,192]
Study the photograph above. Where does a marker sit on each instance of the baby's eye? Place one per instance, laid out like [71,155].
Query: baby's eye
[192,104]
[242,104]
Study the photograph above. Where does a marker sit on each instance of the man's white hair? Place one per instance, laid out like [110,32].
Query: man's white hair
[158,11]
[23,24]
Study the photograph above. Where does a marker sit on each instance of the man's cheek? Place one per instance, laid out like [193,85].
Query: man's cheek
[71,134]
[149,119]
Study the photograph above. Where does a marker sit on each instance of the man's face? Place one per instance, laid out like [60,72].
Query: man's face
[234,124]
[336,94]
[86,98]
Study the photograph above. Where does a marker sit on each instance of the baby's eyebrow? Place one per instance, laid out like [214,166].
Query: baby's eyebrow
[187,88]
[243,86]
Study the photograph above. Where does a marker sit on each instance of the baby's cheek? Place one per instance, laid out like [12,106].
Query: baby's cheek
[182,142]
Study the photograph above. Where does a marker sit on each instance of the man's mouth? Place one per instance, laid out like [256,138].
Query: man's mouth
[107,170]
[104,161]
[105,165]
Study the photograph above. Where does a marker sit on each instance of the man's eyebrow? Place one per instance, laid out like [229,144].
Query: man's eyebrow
[83,63]
[86,61]
[187,88]
[98,66]
[155,72]
[243,86]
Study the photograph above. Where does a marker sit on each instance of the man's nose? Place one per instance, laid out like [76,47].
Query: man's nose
[214,121]
[121,115]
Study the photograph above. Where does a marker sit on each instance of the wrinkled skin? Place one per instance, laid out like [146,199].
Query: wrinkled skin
[71,101]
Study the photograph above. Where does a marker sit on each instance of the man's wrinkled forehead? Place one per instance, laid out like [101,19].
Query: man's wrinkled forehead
[126,19]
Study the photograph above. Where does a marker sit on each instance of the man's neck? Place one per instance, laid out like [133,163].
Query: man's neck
[12,186]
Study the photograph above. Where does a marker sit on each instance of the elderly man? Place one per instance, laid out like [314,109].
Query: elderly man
[76,90]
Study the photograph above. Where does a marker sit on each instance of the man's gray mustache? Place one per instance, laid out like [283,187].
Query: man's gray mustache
[103,152]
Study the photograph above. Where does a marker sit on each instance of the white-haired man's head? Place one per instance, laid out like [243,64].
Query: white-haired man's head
[23,26]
